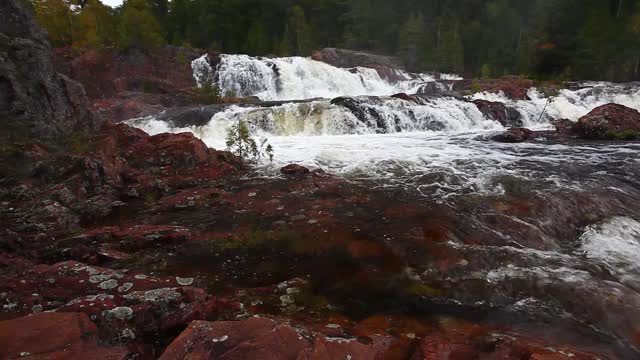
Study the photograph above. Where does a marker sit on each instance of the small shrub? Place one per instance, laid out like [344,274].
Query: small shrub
[241,144]
[181,59]
[207,93]
[485,72]
[550,92]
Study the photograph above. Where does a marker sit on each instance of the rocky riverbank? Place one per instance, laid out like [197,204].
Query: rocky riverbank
[139,238]
[115,244]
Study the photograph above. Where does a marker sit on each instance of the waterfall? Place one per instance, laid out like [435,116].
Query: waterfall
[361,104]
[297,78]
[570,104]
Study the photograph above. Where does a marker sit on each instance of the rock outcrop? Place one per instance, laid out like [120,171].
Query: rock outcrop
[514,135]
[497,111]
[126,84]
[386,66]
[350,58]
[513,87]
[294,169]
[54,336]
[35,101]
[610,121]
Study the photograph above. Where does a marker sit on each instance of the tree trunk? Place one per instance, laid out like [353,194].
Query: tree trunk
[619,8]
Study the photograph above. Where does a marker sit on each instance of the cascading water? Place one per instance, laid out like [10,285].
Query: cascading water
[296,78]
[570,104]
[378,136]
[561,216]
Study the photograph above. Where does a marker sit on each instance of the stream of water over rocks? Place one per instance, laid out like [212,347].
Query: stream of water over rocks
[543,236]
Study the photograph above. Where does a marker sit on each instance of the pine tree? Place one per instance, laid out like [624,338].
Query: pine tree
[257,41]
[297,33]
[450,50]
[178,21]
[413,43]
[138,28]
[240,143]
[56,17]
[94,26]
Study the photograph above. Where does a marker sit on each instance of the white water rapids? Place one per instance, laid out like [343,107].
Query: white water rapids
[437,147]
[297,78]
[432,145]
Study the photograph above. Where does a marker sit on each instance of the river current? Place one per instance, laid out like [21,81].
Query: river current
[582,229]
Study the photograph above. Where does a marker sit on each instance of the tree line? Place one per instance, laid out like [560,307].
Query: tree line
[565,39]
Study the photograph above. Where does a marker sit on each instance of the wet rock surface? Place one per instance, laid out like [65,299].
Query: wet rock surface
[186,244]
[514,135]
[294,169]
[497,111]
[611,121]
[126,245]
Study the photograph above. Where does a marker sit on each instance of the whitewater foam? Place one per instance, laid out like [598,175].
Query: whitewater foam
[615,242]
[297,78]
[568,104]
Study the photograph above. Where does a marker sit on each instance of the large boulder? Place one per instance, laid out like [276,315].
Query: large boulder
[54,336]
[610,121]
[294,169]
[514,135]
[262,338]
[499,112]
[35,101]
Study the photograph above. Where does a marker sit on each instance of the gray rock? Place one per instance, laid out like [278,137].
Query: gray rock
[35,101]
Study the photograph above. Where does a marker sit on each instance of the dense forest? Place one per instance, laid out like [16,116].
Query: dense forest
[565,39]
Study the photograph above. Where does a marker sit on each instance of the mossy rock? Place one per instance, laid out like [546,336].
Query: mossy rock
[420,289]
[625,135]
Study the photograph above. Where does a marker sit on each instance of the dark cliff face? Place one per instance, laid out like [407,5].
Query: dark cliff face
[35,101]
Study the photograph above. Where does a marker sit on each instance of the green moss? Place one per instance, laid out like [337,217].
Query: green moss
[623,135]
[310,300]
[181,59]
[420,289]
[549,92]
[207,93]
[252,240]
[150,198]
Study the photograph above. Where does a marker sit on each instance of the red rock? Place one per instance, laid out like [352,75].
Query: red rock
[254,338]
[497,111]
[119,302]
[403,96]
[442,348]
[327,348]
[132,238]
[564,126]
[54,336]
[513,87]
[294,169]
[610,121]
[514,135]
[105,73]
[178,150]
[261,338]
